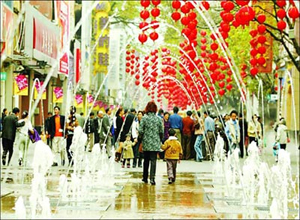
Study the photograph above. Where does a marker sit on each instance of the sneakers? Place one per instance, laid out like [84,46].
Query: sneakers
[145,180]
[170,181]
[3,161]
[128,165]
[123,166]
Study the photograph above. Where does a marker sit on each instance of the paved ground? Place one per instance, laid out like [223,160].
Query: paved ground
[197,193]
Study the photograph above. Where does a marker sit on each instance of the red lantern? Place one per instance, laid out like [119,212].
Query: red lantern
[214,46]
[221,92]
[281,3]
[176,4]
[262,39]
[228,17]
[155,2]
[253,52]
[281,25]
[229,87]
[261,49]
[185,20]
[228,6]
[144,25]
[222,84]
[242,2]
[155,12]
[176,16]
[192,25]
[261,29]
[203,40]
[203,33]
[153,36]
[154,24]
[253,62]
[205,5]
[137,82]
[192,15]
[293,13]
[143,38]
[225,27]
[144,14]
[253,32]
[254,71]
[145,3]
[281,13]
[261,60]
[185,9]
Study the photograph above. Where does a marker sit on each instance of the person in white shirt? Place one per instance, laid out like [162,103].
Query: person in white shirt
[22,139]
[78,143]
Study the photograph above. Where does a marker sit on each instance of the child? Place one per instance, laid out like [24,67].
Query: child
[127,151]
[173,152]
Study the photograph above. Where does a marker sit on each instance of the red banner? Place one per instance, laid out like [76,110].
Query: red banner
[44,40]
[78,65]
[64,22]
[6,27]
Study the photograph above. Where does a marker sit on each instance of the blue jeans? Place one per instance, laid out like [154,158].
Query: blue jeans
[198,147]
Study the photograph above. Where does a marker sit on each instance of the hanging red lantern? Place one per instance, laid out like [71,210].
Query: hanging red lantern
[253,52]
[228,17]
[253,71]
[229,87]
[281,25]
[293,13]
[281,3]
[228,6]
[127,70]
[185,9]
[221,92]
[154,24]
[242,2]
[155,12]
[192,15]
[144,25]
[153,36]
[176,4]
[214,46]
[262,49]
[155,2]
[144,14]
[193,24]
[205,4]
[229,79]
[281,13]
[261,18]
[143,38]
[261,60]
[253,32]
[261,28]
[253,62]
[145,3]
[262,39]
[221,84]
[176,16]
[137,82]
[185,20]
[225,27]
[203,33]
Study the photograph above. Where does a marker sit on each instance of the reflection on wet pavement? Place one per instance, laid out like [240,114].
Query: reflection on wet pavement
[194,195]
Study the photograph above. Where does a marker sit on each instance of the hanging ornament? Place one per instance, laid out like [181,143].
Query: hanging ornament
[293,13]
[281,25]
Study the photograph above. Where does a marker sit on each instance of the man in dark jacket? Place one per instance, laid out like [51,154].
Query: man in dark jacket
[56,131]
[127,124]
[47,129]
[89,130]
[10,125]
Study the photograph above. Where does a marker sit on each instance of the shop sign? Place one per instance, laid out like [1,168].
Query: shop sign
[63,13]
[21,85]
[37,89]
[58,95]
[79,101]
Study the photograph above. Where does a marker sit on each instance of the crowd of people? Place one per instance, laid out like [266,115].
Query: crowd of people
[138,137]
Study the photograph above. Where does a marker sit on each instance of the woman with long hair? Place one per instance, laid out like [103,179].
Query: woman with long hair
[151,133]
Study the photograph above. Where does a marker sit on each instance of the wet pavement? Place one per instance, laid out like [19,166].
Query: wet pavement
[198,193]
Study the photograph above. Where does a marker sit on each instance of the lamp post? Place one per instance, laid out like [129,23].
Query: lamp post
[279,104]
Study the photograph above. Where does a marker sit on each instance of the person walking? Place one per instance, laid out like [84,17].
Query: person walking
[47,129]
[244,134]
[232,130]
[151,133]
[281,134]
[209,128]
[187,130]
[119,126]
[56,128]
[254,130]
[127,151]
[22,138]
[138,157]
[176,123]
[173,152]
[98,126]
[10,124]
[106,125]
[89,130]
[199,131]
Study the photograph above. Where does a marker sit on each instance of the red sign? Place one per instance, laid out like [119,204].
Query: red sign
[44,39]
[78,66]
[64,22]
[6,26]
